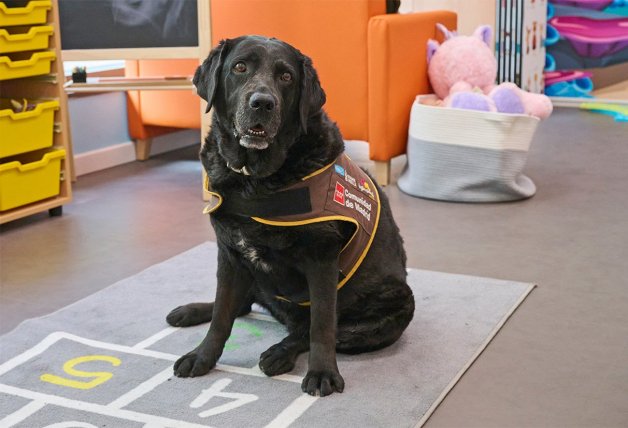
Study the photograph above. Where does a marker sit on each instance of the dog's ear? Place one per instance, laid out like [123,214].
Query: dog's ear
[312,95]
[208,74]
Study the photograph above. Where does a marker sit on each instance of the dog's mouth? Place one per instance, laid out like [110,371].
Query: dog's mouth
[255,137]
[257,131]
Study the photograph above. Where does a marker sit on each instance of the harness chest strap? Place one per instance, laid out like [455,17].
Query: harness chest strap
[340,191]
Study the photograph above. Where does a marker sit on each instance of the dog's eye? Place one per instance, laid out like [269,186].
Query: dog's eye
[240,67]
[286,77]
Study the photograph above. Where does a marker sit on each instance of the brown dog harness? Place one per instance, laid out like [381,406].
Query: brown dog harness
[340,191]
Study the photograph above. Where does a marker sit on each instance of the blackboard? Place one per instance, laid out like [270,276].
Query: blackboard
[118,24]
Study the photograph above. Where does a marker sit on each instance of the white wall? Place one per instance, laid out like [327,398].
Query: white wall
[100,136]
[471,13]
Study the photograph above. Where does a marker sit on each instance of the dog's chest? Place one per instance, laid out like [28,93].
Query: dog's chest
[255,254]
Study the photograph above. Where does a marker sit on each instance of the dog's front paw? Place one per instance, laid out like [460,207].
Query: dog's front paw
[277,359]
[326,381]
[193,364]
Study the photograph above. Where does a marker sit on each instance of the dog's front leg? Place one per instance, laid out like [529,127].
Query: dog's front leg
[234,283]
[323,374]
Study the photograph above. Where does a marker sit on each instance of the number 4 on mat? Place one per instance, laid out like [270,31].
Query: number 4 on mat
[68,367]
[216,391]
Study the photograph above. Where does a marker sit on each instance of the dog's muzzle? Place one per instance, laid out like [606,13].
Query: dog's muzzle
[257,121]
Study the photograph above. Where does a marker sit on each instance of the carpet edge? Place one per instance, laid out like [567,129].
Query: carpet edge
[475,356]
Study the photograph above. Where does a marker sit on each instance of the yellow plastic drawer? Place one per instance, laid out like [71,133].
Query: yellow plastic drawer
[37,38]
[39,63]
[26,131]
[30,179]
[35,12]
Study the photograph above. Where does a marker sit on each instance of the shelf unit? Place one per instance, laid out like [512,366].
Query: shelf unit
[112,84]
[46,86]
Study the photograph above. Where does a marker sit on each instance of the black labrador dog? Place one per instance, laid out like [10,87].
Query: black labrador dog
[269,132]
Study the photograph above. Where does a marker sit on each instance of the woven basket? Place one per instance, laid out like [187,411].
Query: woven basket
[466,155]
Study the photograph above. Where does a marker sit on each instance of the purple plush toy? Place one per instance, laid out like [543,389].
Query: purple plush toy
[462,71]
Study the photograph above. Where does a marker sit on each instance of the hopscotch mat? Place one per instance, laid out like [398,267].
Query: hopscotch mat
[106,361]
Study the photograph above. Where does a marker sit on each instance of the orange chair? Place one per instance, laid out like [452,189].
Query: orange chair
[153,113]
[371,65]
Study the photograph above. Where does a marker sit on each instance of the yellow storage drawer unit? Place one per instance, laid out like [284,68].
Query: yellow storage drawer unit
[26,131]
[39,63]
[36,38]
[35,12]
[30,179]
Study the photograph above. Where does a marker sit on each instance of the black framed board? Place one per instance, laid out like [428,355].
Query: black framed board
[128,24]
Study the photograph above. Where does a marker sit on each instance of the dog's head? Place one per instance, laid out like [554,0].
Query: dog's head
[263,91]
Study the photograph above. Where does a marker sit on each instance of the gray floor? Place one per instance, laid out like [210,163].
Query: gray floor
[562,359]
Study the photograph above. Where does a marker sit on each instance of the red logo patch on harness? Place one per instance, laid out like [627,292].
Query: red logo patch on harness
[339,194]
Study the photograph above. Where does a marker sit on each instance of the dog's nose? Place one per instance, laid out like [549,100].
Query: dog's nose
[261,101]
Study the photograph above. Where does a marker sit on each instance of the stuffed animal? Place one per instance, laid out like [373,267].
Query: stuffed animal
[463,69]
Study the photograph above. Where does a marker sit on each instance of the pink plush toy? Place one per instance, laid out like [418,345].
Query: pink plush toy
[463,69]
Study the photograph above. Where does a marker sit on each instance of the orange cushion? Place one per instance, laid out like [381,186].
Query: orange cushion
[397,69]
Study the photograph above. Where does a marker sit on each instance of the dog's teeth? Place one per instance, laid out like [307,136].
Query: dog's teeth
[242,170]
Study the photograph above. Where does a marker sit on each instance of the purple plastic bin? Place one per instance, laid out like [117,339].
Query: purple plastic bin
[593,38]
[586,4]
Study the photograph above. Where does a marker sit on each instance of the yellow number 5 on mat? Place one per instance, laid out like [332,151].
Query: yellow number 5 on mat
[68,367]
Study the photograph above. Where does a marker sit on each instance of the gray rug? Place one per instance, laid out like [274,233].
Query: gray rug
[107,359]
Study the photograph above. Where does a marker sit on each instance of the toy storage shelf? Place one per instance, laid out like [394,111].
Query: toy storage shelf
[36,150]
